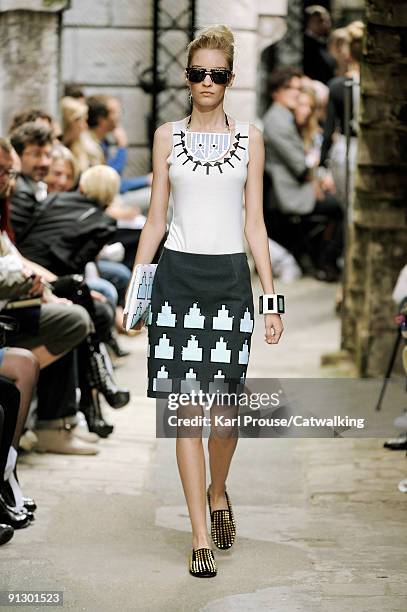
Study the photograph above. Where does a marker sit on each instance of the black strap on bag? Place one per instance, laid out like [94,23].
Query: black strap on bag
[74,288]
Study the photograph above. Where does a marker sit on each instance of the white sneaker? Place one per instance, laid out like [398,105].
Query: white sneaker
[62,441]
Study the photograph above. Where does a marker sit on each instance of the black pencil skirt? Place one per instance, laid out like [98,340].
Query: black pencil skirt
[201,323]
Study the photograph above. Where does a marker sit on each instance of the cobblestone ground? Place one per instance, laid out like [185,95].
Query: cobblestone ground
[321,524]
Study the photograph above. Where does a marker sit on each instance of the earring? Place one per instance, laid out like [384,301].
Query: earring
[190,97]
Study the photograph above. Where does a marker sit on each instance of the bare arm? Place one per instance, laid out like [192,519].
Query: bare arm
[156,224]
[255,229]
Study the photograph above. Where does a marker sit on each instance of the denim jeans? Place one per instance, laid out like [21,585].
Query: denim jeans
[116,273]
[106,288]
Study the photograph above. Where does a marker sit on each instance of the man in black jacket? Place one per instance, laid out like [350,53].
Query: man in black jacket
[318,62]
[61,232]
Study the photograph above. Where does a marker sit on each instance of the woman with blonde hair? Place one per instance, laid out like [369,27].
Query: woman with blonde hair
[76,137]
[74,115]
[306,119]
[202,312]
[62,173]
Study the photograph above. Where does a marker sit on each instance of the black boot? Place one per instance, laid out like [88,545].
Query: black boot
[94,417]
[113,344]
[100,379]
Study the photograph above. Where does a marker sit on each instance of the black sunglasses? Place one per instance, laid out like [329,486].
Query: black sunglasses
[220,76]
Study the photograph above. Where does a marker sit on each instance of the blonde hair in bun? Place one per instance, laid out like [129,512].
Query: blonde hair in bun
[214,37]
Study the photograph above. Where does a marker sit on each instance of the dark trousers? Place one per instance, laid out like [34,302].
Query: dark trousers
[9,406]
[318,234]
[332,237]
[56,400]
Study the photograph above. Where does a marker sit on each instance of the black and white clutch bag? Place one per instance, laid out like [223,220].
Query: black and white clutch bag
[139,296]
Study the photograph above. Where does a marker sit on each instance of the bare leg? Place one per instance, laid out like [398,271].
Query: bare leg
[191,466]
[22,367]
[119,318]
[45,358]
[221,446]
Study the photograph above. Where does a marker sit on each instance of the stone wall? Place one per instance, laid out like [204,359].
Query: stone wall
[29,54]
[378,239]
[103,50]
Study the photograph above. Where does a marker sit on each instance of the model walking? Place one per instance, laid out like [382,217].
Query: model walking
[202,302]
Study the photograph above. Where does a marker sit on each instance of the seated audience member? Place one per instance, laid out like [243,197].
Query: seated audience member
[318,63]
[294,190]
[321,94]
[285,155]
[62,171]
[50,330]
[104,119]
[33,145]
[305,114]
[68,229]
[76,135]
[74,115]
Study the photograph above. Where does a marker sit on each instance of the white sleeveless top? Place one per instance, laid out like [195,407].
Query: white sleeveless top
[207,195]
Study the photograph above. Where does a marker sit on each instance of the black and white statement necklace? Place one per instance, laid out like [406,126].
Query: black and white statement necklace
[207,146]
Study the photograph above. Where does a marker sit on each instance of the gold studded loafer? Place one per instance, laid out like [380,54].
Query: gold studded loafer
[202,563]
[223,525]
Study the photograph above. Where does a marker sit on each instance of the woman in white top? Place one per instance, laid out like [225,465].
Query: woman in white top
[202,312]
